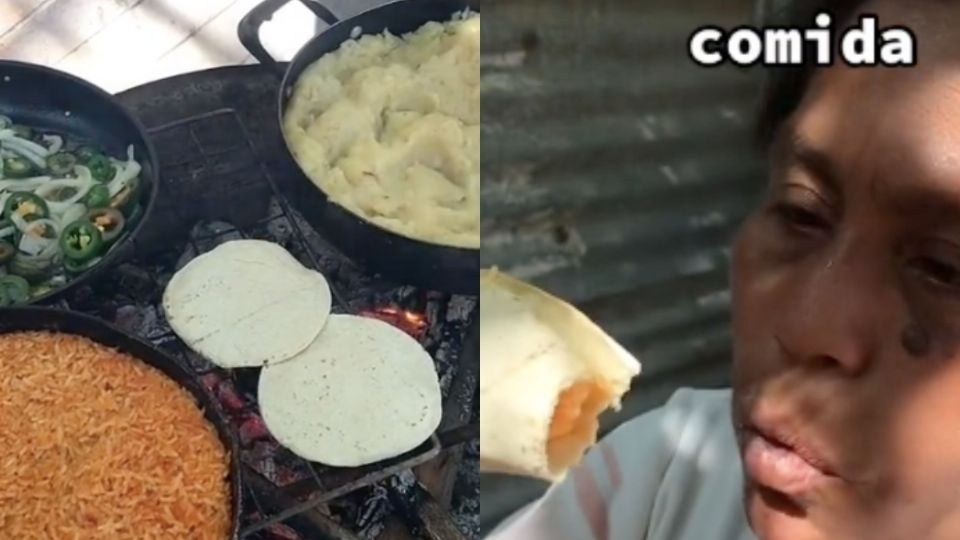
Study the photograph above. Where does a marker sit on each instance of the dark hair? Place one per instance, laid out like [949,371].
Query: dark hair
[785,86]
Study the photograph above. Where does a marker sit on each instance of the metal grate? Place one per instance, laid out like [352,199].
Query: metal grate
[214,188]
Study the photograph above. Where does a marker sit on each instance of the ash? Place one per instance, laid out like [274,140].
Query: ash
[466,495]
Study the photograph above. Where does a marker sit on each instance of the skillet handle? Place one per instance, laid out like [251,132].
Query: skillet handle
[249,28]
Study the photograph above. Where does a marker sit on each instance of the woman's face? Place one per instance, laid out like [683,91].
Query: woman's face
[847,304]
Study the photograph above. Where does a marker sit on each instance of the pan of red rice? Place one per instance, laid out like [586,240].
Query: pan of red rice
[104,436]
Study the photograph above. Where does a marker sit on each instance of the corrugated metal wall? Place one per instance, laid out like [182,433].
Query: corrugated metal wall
[614,174]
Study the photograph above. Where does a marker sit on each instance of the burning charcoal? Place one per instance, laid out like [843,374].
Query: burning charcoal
[197,361]
[461,308]
[228,396]
[130,295]
[211,381]
[406,294]
[404,483]
[152,323]
[251,428]
[206,229]
[83,298]
[189,253]
[261,459]
[276,208]
[466,514]
[372,512]
[280,230]
[282,532]
[413,324]
[136,283]
[473,449]
[247,379]
[373,531]
[466,498]
[127,318]
[299,252]
[272,462]
[446,379]
[210,234]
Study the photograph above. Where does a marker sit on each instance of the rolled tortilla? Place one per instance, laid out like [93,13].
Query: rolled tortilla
[546,374]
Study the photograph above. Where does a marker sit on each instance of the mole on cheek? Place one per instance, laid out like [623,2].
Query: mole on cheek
[915,341]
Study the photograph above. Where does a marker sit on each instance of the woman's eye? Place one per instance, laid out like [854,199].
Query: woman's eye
[799,218]
[937,271]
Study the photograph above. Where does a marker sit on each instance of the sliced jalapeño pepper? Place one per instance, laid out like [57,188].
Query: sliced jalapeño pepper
[97,197]
[101,168]
[109,222]
[74,267]
[26,205]
[17,167]
[7,251]
[85,153]
[34,269]
[81,241]
[15,289]
[61,163]
[41,289]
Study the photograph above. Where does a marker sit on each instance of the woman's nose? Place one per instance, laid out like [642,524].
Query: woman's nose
[833,319]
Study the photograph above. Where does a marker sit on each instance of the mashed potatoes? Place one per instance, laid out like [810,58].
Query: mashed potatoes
[389,128]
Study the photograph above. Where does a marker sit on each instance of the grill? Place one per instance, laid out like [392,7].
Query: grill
[219,184]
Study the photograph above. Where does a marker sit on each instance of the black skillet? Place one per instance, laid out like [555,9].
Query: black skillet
[414,262]
[44,98]
[25,319]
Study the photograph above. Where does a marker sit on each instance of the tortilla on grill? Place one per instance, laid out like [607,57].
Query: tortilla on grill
[363,392]
[247,303]
[547,372]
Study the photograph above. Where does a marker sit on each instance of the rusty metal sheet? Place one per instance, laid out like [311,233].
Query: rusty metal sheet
[615,172]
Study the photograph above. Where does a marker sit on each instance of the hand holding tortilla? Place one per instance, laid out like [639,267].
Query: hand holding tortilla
[546,374]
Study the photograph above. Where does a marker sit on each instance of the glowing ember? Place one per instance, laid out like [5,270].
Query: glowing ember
[414,324]
[251,429]
[229,398]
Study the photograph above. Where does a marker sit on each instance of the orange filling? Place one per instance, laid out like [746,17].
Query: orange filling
[575,423]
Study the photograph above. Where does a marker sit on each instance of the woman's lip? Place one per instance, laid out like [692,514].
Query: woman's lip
[787,439]
[778,467]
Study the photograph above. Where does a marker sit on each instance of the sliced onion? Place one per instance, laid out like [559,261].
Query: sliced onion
[26,184]
[18,222]
[125,173]
[34,244]
[54,143]
[29,155]
[7,231]
[83,173]
[11,140]
[74,213]
[4,196]
[82,187]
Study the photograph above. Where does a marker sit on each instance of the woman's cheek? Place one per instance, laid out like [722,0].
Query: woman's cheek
[755,300]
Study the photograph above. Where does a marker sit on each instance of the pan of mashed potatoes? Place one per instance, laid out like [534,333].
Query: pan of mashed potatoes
[381,114]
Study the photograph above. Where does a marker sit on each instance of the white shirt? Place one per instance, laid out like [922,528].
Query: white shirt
[671,474]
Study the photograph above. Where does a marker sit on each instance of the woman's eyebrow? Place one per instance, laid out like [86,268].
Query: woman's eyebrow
[799,152]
